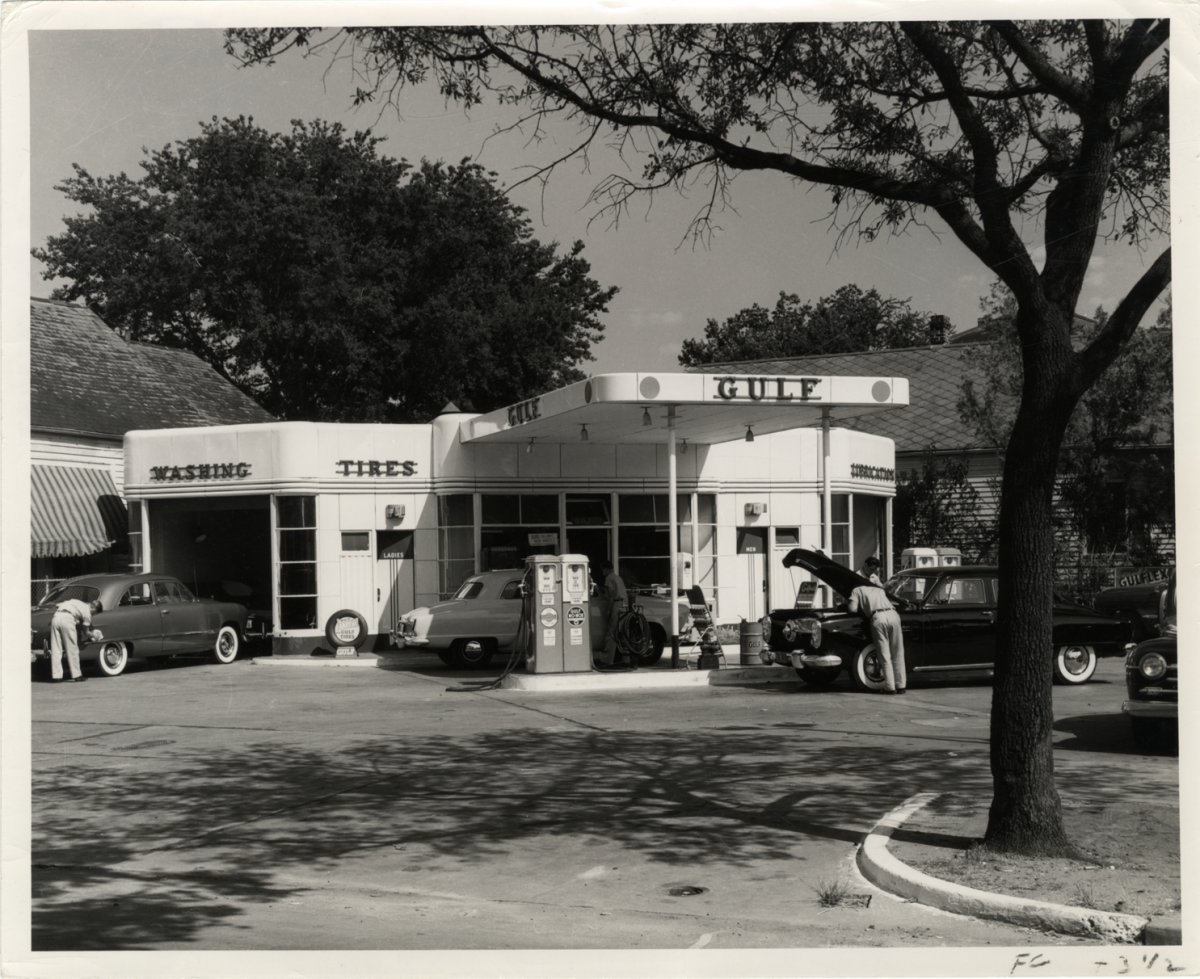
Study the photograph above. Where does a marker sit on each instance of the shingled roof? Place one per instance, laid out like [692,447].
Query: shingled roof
[935,375]
[85,379]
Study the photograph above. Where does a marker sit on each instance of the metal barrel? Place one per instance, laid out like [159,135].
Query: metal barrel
[751,643]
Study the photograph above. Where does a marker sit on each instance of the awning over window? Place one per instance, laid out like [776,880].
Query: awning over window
[75,511]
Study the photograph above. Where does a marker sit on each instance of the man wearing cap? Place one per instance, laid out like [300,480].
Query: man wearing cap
[70,616]
[883,621]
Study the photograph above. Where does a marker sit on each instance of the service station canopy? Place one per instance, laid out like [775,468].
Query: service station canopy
[706,408]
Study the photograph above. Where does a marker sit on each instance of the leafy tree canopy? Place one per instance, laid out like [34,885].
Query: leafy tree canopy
[849,320]
[326,280]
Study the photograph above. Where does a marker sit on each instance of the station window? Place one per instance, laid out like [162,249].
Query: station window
[456,541]
[296,520]
[839,548]
[589,527]
[645,543]
[513,526]
[356,540]
[135,537]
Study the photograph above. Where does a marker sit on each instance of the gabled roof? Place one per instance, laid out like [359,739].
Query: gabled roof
[935,375]
[85,379]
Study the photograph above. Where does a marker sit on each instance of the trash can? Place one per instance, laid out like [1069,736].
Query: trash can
[751,644]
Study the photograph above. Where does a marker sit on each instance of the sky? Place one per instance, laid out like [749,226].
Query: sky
[98,97]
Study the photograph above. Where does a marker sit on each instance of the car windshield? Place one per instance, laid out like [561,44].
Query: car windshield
[910,587]
[85,593]
[468,589]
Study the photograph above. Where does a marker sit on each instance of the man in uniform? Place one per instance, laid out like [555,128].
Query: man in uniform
[883,621]
[616,598]
[70,616]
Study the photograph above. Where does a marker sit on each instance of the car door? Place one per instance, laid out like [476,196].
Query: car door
[959,627]
[135,619]
[184,629]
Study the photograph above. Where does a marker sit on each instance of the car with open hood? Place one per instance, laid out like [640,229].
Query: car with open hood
[144,616]
[483,618]
[948,619]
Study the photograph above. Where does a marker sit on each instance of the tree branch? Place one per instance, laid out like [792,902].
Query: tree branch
[1057,83]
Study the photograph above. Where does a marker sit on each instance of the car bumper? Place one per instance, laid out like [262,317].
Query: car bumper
[815,661]
[1159,709]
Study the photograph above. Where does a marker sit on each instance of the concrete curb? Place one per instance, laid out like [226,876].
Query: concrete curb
[881,868]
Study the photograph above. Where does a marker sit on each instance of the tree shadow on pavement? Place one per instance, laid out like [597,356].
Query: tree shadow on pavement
[1109,733]
[109,841]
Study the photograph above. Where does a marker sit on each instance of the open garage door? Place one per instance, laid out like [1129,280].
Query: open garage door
[220,547]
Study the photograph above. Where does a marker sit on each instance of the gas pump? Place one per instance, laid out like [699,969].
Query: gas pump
[558,614]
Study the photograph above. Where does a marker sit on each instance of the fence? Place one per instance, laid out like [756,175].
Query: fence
[41,587]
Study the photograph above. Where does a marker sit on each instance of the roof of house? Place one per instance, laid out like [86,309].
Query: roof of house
[935,375]
[86,379]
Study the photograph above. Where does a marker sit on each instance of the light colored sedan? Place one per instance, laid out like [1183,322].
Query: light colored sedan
[484,617]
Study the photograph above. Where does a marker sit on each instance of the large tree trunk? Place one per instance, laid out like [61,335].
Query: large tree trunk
[1026,813]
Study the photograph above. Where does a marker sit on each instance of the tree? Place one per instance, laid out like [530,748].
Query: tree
[937,504]
[1001,130]
[326,280]
[848,320]
[1108,497]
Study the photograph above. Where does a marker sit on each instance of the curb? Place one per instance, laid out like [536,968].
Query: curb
[882,869]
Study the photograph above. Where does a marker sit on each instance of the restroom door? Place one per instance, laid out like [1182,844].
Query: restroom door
[357,570]
[395,590]
[751,548]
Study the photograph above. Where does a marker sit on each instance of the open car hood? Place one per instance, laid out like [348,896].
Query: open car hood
[838,577]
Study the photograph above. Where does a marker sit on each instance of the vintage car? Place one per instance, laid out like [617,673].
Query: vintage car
[948,618]
[1152,679]
[483,618]
[144,616]
[1136,604]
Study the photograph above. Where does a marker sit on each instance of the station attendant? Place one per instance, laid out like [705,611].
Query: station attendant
[69,617]
[616,597]
[872,603]
[870,571]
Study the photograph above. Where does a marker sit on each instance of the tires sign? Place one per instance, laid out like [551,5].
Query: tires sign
[576,615]
[346,630]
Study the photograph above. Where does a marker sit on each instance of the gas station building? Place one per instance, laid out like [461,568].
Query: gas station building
[314,518]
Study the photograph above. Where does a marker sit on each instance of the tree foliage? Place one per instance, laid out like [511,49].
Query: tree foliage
[848,320]
[326,280]
[1111,490]
[1002,131]
[937,505]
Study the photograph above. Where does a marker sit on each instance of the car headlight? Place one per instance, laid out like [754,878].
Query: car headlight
[1152,666]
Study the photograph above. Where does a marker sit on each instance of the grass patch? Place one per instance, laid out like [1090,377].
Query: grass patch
[832,893]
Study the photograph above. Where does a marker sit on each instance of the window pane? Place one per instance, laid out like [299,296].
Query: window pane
[297,545]
[841,539]
[297,613]
[841,507]
[356,540]
[164,594]
[456,511]
[644,542]
[588,511]
[501,509]
[297,511]
[539,509]
[458,543]
[706,508]
[683,503]
[707,543]
[641,571]
[636,509]
[297,579]
[787,536]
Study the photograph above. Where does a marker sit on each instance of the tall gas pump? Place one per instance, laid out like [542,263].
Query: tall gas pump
[558,614]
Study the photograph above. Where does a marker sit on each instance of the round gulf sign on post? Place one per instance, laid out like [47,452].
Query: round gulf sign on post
[576,615]
[549,617]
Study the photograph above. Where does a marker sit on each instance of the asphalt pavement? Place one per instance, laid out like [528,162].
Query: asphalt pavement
[250,807]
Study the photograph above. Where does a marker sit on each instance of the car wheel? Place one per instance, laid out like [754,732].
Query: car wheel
[1074,664]
[113,658]
[658,642]
[866,670]
[819,677]
[473,654]
[225,649]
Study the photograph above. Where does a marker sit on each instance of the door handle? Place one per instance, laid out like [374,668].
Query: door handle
[376,594]
[990,616]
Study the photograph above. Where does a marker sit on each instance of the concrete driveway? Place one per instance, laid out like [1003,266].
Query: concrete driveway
[250,807]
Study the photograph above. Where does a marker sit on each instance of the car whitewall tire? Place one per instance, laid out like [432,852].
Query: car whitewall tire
[866,669]
[113,658]
[225,649]
[1074,663]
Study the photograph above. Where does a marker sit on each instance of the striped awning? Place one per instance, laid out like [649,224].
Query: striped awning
[75,511]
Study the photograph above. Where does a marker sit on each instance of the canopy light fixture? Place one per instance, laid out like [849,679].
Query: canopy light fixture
[583,435]
[646,419]
[529,447]
[749,434]
[682,446]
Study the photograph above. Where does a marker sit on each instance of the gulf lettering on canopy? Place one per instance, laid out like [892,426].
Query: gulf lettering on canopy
[780,389]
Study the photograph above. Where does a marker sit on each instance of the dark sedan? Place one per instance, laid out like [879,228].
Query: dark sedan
[1152,679]
[1136,604]
[948,617]
[144,616]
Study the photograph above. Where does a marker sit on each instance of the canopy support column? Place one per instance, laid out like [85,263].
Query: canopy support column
[673,512]
[826,499]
